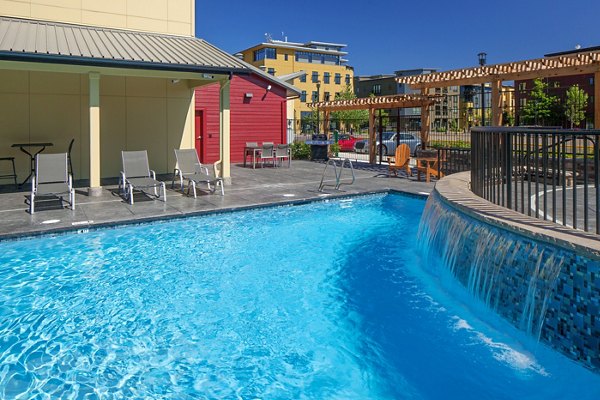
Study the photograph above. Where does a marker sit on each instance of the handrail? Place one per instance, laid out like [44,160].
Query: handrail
[338,175]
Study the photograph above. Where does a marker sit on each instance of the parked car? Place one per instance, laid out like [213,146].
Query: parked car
[388,144]
[346,142]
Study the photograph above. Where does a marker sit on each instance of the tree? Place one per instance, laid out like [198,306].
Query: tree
[576,104]
[350,118]
[539,107]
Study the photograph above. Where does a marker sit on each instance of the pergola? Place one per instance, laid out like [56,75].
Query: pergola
[379,103]
[579,63]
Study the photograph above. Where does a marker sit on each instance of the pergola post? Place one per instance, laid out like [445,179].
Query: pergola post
[326,115]
[94,109]
[496,103]
[425,121]
[224,116]
[597,100]
[372,138]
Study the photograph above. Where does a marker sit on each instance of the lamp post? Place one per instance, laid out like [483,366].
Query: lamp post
[482,60]
[318,95]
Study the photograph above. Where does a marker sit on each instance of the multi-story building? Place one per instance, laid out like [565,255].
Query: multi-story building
[327,72]
[558,86]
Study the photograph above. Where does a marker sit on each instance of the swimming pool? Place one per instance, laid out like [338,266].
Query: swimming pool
[319,301]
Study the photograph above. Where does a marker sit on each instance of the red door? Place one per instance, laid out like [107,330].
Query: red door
[199,133]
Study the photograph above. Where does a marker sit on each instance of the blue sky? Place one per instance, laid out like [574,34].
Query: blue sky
[387,35]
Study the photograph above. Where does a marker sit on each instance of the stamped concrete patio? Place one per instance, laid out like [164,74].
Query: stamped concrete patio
[250,188]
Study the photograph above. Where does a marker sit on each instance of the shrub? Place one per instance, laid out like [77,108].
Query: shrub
[300,151]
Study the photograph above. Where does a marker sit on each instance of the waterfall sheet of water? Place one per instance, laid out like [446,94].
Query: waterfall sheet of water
[513,275]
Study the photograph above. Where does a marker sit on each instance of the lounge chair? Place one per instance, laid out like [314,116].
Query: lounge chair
[267,153]
[283,151]
[51,179]
[137,175]
[190,169]
[401,160]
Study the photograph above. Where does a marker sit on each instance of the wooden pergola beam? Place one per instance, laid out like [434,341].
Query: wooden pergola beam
[378,103]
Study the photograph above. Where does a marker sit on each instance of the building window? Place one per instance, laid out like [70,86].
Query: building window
[315,96]
[285,57]
[326,76]
[303,78]
[592,80]
[555,84]
[303,96]
[326,96]
[271,71]
[522,102]
[303,56]
[522,86]
[337,95]
[261,54]
[315,77]
[338,79]
[347,79]
[376,89]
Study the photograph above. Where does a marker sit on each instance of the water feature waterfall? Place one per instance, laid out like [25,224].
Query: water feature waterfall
[512,274]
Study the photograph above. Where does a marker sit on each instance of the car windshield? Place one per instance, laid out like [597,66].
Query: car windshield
[343,137]
[387,135]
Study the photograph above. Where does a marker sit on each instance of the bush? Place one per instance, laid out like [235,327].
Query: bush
[300,151]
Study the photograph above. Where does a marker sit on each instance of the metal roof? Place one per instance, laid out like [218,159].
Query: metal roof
[43,41]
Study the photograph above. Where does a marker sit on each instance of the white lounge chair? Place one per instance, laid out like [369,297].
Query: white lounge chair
[189,168]
[51,178]
[137,174]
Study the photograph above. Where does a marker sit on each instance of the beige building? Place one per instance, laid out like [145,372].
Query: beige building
[114,75]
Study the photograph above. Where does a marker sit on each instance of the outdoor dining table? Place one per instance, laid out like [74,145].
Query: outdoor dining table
[427,163]
[24,146]
[254,150]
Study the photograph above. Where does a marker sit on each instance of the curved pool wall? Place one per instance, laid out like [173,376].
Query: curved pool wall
[543,278]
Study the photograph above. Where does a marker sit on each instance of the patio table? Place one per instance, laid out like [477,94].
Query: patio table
[427,164]
[23,147]
[254,150]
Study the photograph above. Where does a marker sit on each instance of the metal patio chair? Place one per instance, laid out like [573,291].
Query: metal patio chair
[267,153]
[283,151]
[189,168]
[137,175]
[52,179]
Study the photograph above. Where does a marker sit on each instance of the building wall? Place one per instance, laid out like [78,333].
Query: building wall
[283,67]
[136,114]
[260,118]
[162,16]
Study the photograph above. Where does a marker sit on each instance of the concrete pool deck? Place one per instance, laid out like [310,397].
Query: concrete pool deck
[250,188]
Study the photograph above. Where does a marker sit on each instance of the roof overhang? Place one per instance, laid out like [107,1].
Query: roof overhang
[378,102]
[34,41]
[562,65]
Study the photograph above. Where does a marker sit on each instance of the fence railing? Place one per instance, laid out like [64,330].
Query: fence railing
[550,174]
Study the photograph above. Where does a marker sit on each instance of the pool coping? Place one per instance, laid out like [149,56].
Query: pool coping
[454,191]
[85,228]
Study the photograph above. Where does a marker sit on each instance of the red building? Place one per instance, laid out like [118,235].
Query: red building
[258,114]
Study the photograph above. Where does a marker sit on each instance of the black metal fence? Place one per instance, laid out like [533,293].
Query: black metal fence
[549,174]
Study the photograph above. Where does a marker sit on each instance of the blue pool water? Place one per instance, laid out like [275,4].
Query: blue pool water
[321,301]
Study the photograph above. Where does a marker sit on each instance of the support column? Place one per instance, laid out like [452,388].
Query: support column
[372,138]
[597,100]
[95,189]
[496,103]
[326,115]
[425,124]
[225,134]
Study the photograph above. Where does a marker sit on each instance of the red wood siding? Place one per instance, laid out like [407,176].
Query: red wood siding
[261,118]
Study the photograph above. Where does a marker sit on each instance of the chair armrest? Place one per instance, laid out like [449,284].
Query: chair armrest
[217,169]
[153,174]
[205,169]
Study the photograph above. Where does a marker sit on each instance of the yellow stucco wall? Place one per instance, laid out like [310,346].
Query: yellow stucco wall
[136,113]
[162,16]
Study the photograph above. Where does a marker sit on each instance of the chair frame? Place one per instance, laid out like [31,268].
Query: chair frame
[264,157]
[394,166]
[35,184]
[288,154]
[127,186]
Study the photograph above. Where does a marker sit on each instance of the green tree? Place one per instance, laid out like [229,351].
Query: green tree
[539,107]
[350,118]
[576,104]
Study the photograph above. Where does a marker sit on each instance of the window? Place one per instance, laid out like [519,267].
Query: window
[261,54]
[347,79]
[338,79]
[315,96]
[315,77]
[376,89]
[522,86]
[555,84]
[303,78]
[326,77]
[592,80]
[326,96]
[285,57]
[303,56]
[522,102]
[303,96]
[337,95]
[271,71]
